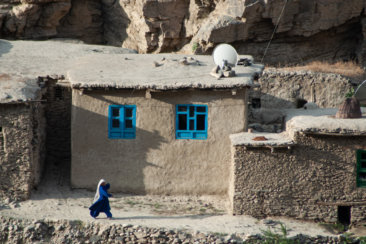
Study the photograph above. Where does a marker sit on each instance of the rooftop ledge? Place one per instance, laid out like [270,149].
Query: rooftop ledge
[156,71]
[94,66]
[273,140]
[323,122]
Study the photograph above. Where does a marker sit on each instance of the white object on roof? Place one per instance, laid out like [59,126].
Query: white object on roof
[225,53]
[360,93]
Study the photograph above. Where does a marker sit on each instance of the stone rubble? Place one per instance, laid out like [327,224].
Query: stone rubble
[65,231]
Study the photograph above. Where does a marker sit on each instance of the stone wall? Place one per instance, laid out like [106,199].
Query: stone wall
[279,90]
[35,231]
[309,181]
[22,151]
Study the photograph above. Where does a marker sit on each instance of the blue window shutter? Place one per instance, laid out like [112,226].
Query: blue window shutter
[191,121]
[122,122]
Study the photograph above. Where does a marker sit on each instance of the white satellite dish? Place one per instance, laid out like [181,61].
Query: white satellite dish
[225,54]
[360,93]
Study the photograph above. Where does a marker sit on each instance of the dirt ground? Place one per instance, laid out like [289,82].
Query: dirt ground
[54,200]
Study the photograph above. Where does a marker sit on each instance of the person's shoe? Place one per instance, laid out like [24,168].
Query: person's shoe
[110,218]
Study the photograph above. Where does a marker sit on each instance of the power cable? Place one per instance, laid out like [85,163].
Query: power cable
[274,31]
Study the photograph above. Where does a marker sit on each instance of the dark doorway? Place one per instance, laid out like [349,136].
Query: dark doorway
[256,103]
[344,215]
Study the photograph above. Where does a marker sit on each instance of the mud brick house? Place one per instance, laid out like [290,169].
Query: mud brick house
[314,170]
[22,136]
[156,124]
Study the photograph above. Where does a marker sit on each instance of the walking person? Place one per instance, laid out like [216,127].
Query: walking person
[101,202]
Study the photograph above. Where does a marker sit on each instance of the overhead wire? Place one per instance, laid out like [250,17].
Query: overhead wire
[274,31]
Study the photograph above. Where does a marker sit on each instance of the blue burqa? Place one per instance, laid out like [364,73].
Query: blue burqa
[102,204]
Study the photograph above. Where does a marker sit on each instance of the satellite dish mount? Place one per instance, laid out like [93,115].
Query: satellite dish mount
[225,57]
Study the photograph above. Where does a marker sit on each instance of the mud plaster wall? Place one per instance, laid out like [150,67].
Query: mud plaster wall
[155,162]
[308,182]
[22,152]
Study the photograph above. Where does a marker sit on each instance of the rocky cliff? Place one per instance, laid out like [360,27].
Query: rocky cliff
[307,30]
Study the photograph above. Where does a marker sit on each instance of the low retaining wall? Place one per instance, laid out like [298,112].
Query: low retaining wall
[31,231]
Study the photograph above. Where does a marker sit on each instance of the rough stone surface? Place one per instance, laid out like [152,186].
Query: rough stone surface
[308,30]
[278,90]
[39,231]
[32,19]
[309,181]
[283,89]
[22,151]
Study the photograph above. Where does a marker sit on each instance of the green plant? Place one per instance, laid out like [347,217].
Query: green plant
[157,205]
[131,202]
[362,239]
[336,228]
[271,237]
[350,93]
[194,46]
[348,238]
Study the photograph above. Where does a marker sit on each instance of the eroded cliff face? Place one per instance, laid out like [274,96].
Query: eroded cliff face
[308,29]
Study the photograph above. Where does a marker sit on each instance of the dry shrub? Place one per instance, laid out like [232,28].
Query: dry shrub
[349,69]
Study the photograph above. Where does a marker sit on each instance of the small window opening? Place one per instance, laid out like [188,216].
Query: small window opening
[182,122]
[200,122]
[363,155]
[344,215]
[300,102]
[128,112]
[182,108]
[191,124]
[1,129]
[115,123]
[256,103]
[115,112]
[128,123]
[58,93]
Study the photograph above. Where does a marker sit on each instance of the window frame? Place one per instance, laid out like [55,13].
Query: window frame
[360,169]
[121,132]
[188,133]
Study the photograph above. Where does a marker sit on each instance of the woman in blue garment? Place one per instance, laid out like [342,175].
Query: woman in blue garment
[101,202]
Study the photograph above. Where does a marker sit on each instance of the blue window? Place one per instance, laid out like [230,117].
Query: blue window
[122,122]
[191,122]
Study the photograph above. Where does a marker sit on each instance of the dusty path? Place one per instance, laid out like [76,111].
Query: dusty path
[54,200]
[203,214]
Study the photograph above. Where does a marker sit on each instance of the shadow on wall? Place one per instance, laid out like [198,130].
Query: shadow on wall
[120,161]
[5,47]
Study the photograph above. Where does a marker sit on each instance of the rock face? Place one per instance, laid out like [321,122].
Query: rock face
[32,19]
[307,30]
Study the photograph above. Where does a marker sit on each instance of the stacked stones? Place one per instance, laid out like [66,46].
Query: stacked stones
[63,231]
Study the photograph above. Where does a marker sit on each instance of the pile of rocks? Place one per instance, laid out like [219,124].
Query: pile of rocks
[63,231]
